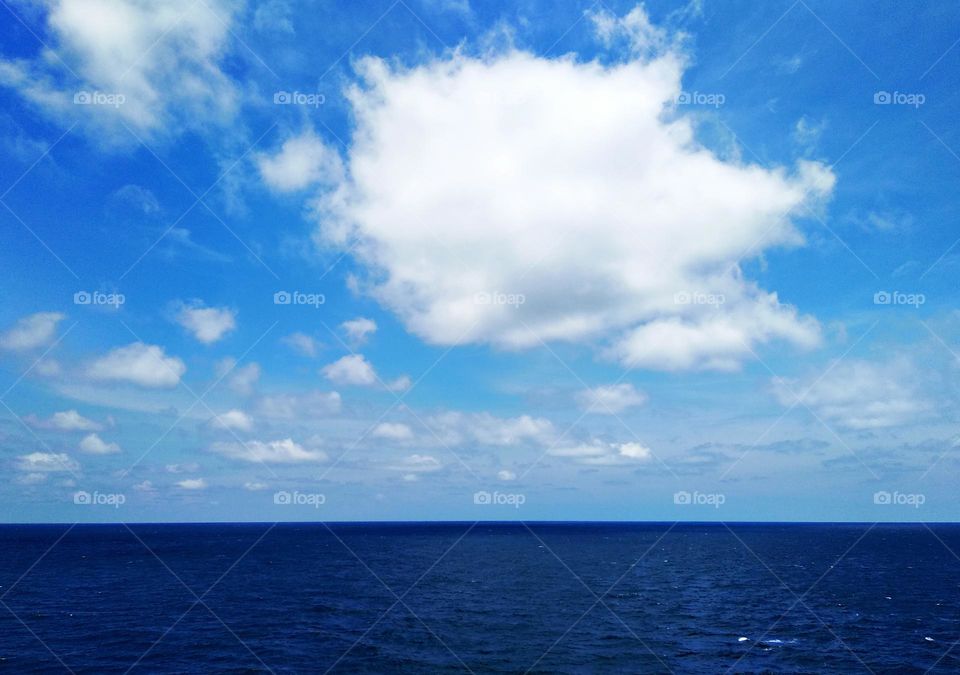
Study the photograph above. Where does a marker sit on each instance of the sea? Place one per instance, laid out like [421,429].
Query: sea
[480,597]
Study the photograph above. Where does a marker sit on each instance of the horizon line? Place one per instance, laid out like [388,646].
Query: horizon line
[487,522]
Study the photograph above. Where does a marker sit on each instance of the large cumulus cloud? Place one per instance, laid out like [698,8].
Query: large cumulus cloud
[512,198]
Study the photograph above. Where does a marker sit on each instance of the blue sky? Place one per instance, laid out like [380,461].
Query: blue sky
[594,260]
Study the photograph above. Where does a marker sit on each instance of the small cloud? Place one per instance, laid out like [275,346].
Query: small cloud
[506,474]
[233,419]
[611,399]
[291,406]
[418,464]
[884,220]
[302,161]
[46,462]
[92,444]
[456,428]
[192,484]
[138,198]
[284,451]
[634,28]
[207,324]
[31,478]
[861,395]
[140,364]
[182,468]
[145,486]
[599,453]
[402,383]
[807,133]
[791,65]
[634,451]
[255,487]
[351,370]
[358,330]
[31,331]
[68,420]
[273,16]
[393,432]
[240,379]
[301,343]
[181,238]
[48,367]
[355,370]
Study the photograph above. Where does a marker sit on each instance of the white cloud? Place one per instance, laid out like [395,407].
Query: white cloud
[46,462]
[599,453]
[506,474]
[241,379]
[138,197]
[611,399]
[284,451]
[254,486]
[138,363]
[68,420]
[392,431]
[635,28]
[145,486]
[456,428]
[415,464]
[715,342]
[355,370]
[311,404]
[301,343]
[233,419]
[31,331]
[48,367]
[31,478]
[302,161]
[860,394]
[163,58]
[359,329]
[807,133]
[402,383]
[92,444]
[577,205]
[352,369]
[273,16]
[207,324]
[183,468]
[192,484]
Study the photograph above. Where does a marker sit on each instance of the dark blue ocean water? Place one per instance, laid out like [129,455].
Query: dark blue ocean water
[487,598]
